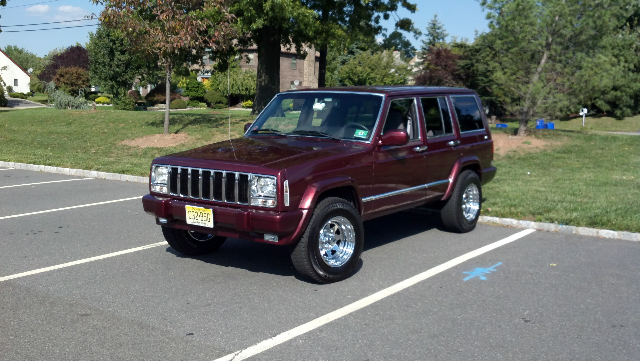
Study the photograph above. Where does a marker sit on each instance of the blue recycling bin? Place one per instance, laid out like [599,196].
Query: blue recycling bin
[551,125]
[501,125]
[539,122]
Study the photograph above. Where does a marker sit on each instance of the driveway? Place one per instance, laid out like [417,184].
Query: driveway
[17,103]
[85,274]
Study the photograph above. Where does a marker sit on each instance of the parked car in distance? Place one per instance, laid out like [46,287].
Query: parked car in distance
[316,163]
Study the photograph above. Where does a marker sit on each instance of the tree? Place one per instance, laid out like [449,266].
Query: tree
[367,68]
[435,36]
[111,65]
[73,56]
[536,48]
[270,24]
[169,32]
[242,83]
[355,20]
[397,41]
[440,68]
[24,58]
[72,79]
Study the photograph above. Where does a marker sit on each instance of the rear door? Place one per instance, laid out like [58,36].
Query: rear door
[472,124]
[442,143]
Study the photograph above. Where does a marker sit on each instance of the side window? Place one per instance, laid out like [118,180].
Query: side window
[436,116]
[468,112]
[402,115]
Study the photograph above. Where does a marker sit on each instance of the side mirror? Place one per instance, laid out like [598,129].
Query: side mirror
[394,137]
[247,126]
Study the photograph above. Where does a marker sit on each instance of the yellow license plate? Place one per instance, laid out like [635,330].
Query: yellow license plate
[199,216]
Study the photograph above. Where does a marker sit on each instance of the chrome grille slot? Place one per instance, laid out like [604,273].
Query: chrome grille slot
[194,183]
[209,184]
[230,188]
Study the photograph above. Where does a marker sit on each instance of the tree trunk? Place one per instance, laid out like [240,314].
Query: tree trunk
[322,66]
[268,81]
[167,100]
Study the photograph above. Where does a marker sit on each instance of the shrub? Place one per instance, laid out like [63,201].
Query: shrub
[157,94]
[247,104]
[178,104]
[3,99]
[62,100]
[72,79]
[9,89]
[215,99]
[102,100]
[287,104]
[196,104]
[125,103]
[194,89]
[93,96]
[133,95]
[18,95]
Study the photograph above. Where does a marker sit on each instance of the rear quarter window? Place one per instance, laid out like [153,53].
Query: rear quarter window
[468,112]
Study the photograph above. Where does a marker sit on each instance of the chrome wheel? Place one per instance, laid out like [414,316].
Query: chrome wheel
[200,237]
[337,241]
[470,202]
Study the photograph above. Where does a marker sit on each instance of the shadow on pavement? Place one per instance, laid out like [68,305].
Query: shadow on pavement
[265,258]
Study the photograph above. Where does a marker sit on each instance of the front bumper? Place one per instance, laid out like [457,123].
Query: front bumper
[249,224]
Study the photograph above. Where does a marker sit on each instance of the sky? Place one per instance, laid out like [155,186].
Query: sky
[461,18]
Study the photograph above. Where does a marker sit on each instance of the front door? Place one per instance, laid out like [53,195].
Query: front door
[398,170]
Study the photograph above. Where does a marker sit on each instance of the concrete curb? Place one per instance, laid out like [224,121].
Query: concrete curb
[548,227]
[562,229]
[76,172]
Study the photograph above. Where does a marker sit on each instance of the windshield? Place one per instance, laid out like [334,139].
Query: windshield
[320,114]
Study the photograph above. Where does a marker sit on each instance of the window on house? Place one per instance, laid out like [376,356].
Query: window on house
[294,64]
[250,59]
[15,82]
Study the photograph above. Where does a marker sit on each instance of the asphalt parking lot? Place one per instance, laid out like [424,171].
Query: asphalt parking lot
[85,275]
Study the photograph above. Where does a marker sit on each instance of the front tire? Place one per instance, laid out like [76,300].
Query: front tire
[461,212]
[192,243]
[332,244]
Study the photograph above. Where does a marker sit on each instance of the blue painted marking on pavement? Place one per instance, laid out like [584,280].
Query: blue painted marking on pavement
[480,272]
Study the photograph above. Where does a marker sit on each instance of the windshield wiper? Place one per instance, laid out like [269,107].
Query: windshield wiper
[316,133]
[269,131]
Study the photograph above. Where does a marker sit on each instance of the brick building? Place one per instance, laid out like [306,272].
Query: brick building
[295,71]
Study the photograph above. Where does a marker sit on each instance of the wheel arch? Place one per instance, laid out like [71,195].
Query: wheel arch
[343,187]
[467,163]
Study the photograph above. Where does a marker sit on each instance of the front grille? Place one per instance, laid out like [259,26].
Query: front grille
[209,184]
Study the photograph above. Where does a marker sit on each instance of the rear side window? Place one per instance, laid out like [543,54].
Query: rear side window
[436,116]
[468,113]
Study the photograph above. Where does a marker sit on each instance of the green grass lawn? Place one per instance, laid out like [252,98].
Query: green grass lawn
[586,179]
[599,123]
[589,180]
[91,140]
[39,98]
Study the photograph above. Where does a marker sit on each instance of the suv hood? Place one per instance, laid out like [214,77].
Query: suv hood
[268,151]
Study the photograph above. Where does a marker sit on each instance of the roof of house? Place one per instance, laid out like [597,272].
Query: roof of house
[8,57]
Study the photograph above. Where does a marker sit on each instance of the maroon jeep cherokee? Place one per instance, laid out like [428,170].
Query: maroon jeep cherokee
[317,163]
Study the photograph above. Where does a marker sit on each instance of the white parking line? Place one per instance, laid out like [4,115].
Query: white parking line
[81,261]
[332,316]
[66,208]
[33,184]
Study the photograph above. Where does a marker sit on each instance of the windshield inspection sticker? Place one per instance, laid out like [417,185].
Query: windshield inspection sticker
[361,133]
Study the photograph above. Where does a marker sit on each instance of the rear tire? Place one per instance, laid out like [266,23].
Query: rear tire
[332,244]
[192,243]
[461,211]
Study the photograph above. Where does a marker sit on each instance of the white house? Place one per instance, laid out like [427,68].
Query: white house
[12,74]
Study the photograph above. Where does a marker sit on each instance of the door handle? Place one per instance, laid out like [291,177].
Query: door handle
[420,149]
[454,143]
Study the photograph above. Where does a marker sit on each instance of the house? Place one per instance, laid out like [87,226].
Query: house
[295,71]
[13,75]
